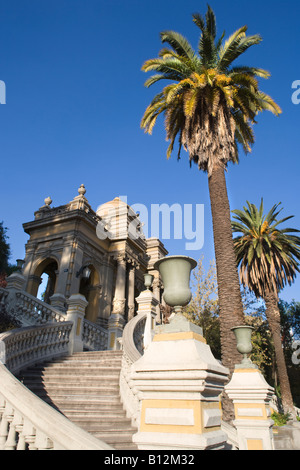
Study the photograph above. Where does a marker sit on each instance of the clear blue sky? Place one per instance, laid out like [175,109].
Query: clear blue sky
[75,98]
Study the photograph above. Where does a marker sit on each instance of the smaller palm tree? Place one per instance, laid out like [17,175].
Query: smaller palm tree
[267,257]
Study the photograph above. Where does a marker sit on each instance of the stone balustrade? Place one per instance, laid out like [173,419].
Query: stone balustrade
[35,311]
[94,336]
[132,345]
[32,311]
[28,423]
[29,345]
[136,338]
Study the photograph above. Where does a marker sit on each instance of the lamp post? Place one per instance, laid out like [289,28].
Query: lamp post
[84,272]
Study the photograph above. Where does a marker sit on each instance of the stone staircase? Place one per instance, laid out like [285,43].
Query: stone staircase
[85,388]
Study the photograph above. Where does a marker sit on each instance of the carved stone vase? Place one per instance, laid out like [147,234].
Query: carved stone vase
[175,272]
[243,337]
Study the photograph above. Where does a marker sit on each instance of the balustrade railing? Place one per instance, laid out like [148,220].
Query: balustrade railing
[36,311]
[32,311]
[94,336]
[133,348]
[26,422]
[25,346]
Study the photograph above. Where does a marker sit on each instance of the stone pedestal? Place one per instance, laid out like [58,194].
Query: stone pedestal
[179,382]
[116,320]
[58,301]
[16,281]
[251,396]
[116,324]
[76,310]
[147,303]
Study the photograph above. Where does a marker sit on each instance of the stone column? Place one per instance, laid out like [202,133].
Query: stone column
[156,292]
[107,292]
[147,304]
[131,284]
[58,301]
[116,320]
[33,284]
[16,281]
[92,310]
[76,310]
[251,396]
[64,267]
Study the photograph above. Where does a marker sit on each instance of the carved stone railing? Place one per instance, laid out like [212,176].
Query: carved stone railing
[137,335]
[32,311]
[29,345]
[26,422]
[35,311]
[94,336]
[133,337]
[132,345]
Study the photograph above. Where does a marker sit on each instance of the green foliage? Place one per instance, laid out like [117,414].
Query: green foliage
[263,351]
[203,310]
[290,321]
[5,267]
[266,254]
[7,322]
[280,419]
[4,249]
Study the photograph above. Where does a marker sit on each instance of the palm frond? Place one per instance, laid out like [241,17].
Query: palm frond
[267,256]
[218,103]
[179,43]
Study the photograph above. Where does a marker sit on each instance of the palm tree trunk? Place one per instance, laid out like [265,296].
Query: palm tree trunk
[273,317]
[230,301]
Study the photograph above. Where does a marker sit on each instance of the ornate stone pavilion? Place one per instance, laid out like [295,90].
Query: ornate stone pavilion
[102,255]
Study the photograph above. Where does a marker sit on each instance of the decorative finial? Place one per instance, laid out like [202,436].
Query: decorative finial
[48,201]
[82,190]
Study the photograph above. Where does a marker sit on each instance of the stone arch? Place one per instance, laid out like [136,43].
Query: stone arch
[91,289]
[48,266]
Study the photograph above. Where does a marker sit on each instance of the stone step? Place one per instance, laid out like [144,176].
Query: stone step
[85,388]
[96,425]
[115,437]
[52,380]
[81,399]
[94,414]
[69,392]
[59,374]
[60,369]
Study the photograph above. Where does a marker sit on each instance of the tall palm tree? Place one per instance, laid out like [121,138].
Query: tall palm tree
[210,107]
[267,258]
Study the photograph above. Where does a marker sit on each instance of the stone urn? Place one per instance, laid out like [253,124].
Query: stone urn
[175,273]
[243,337]
[148,280]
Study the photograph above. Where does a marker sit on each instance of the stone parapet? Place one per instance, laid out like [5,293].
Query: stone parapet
[251,396]
[179,383]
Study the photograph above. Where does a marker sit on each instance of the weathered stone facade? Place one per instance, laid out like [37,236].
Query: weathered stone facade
[110,242]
